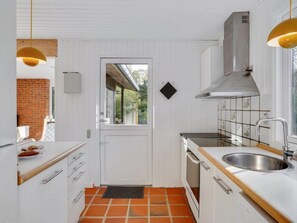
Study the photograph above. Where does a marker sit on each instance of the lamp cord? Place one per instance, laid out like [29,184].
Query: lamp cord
[31,22]
[290,8]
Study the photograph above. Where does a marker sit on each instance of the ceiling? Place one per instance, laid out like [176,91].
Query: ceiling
[128,19]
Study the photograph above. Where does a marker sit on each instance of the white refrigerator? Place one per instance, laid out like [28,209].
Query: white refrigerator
[8,153]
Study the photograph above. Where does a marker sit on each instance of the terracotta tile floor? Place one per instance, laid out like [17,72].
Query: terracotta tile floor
[159,205]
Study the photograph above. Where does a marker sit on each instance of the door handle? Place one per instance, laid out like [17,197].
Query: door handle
[103,120]
[193,158]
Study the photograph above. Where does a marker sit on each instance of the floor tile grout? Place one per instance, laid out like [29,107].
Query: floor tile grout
[165,193]
[168,206]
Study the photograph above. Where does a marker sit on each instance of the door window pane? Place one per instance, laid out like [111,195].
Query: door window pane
[126,94]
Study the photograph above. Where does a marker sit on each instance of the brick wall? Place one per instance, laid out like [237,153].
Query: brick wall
[33,104]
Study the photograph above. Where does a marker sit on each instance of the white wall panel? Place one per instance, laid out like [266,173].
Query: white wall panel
[262,21]
[177,62]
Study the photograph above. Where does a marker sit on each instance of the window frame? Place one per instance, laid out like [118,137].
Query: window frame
[102,102]
[282,87]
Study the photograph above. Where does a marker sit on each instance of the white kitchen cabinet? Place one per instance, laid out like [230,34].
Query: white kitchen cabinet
[211,66]
[206,191]
[223,201]
[43,198]
[56,194]
[77,168]
[249,211]
[183,160]
[225,198]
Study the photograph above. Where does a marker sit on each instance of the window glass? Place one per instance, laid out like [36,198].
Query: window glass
[126,94]
[294,92]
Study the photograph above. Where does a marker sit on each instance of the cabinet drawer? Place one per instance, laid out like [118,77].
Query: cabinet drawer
[77,180]
[77,165]
[76,156]
[76,205]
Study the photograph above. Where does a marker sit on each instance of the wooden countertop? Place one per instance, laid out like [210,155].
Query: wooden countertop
[52,153]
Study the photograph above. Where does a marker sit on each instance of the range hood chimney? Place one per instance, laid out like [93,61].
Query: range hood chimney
[237,80]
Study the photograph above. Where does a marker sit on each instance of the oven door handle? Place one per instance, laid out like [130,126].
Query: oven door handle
[192,158]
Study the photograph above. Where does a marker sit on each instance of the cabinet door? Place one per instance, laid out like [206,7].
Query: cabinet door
[211,66]
[44,197]
[183,158]
[225,199]
[248,211]
[207,210]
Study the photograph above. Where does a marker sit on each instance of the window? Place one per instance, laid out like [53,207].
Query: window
[294,92]
[127,94]
[285,89]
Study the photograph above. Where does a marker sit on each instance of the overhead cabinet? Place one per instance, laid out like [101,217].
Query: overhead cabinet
[212,66]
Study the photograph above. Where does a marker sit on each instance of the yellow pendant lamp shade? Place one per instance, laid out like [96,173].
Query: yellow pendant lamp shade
[284,34]
[30,55]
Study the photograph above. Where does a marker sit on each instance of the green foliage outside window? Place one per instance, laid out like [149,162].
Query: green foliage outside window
[134,101]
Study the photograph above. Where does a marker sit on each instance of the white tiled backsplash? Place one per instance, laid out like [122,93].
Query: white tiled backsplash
[237,119]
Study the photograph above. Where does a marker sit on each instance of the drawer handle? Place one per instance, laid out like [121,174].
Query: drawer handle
[222,185]
[78,156]
[78,197]
[204,165]
[79,176]
[79,166]
[56,173]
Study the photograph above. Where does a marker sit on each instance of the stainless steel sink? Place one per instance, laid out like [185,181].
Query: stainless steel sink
[256,162]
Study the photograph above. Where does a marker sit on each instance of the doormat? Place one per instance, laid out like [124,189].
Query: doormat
[123,192]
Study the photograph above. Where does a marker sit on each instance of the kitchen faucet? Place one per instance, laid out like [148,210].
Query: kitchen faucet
[287,152]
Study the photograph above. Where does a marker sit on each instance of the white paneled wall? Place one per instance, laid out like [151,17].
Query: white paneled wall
[262,21]
[177,62]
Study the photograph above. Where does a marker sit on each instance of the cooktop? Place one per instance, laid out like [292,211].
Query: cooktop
[203,135]
[214,142]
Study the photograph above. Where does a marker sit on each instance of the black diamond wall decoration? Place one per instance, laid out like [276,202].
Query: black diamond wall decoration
[168,90]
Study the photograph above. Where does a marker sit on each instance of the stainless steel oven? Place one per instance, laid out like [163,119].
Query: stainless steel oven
[193,178]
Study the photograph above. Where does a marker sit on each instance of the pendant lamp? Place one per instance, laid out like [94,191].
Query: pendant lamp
[284,34]
[30,55]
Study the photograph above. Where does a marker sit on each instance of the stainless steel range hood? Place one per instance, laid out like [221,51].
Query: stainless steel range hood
[237,80]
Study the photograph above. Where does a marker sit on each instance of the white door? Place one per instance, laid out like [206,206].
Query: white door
[126,121]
